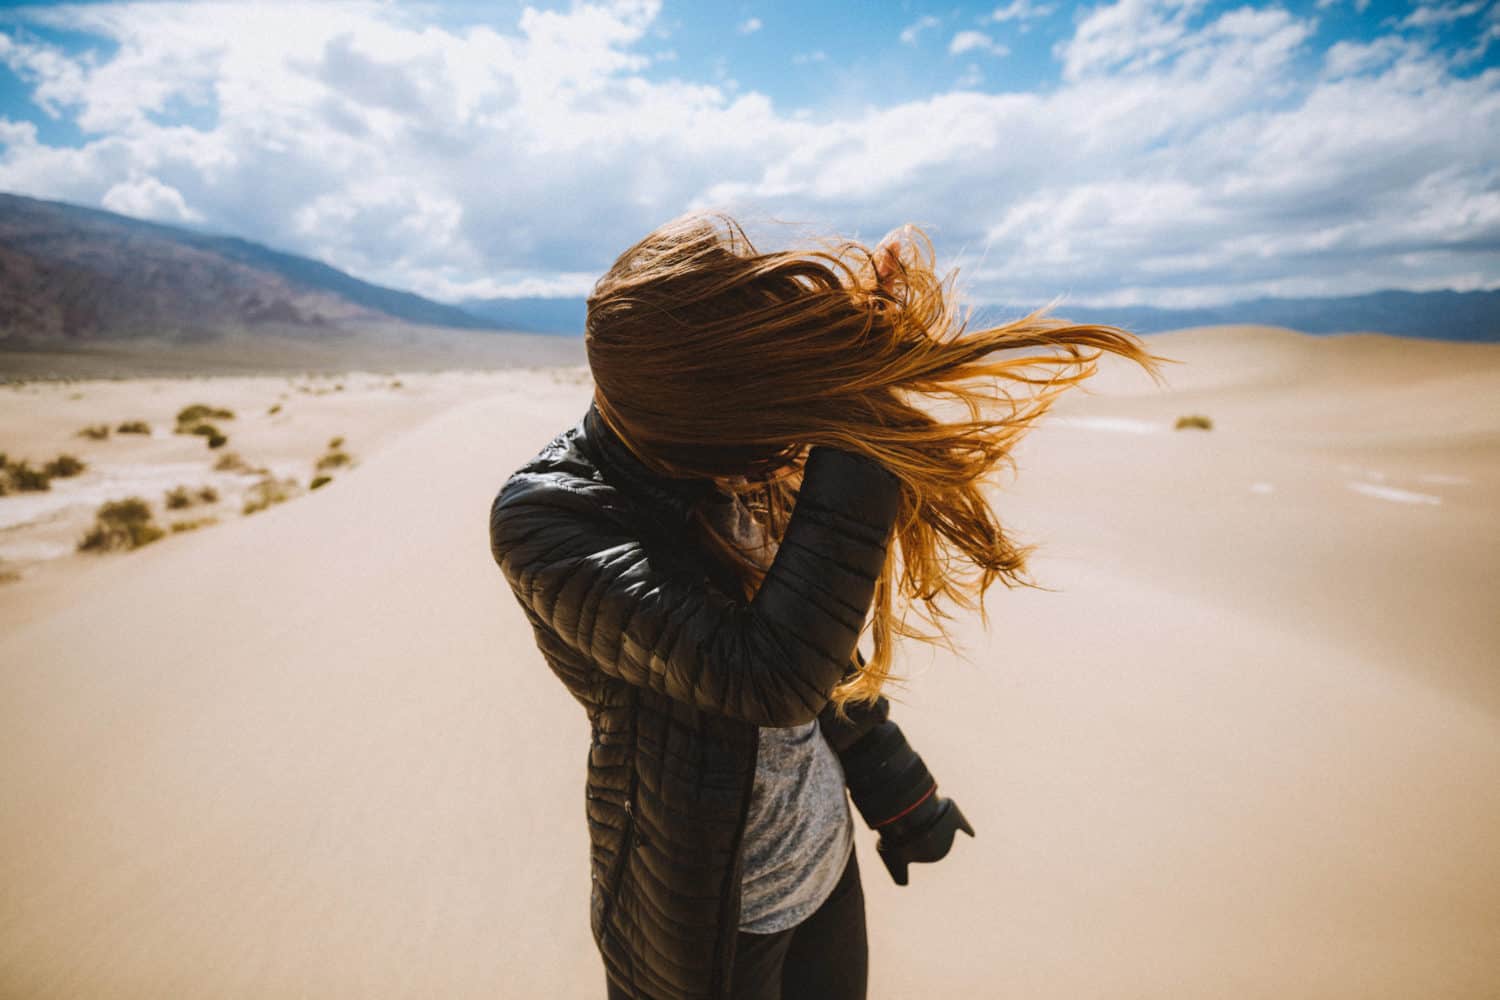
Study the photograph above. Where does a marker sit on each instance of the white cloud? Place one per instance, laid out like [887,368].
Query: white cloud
[1346,58]
[1020,10]
[1433,15]
[563,284]
[1184,157]
[749,26]
[975,41]
[815,56]
[913,31]
[148,198]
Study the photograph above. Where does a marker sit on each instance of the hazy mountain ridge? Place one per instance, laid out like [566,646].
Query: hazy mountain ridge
[1442,315]
[72,275]
[536,315]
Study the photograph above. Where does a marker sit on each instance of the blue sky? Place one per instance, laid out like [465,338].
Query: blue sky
[1111,153]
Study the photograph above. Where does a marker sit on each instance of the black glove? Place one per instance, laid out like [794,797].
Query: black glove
[897,796]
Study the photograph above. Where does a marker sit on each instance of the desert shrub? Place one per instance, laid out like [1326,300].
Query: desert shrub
[274,410]
[22,478]
[232,461]
[64,466]
[335,443]
[202,522]
[269,491]
[395,383]
[95,432]
[133,427]
[2,459]
[1194,422]
[333,460]
[216,438]
[121,524]
[182,496]
[319,481]
[199,412]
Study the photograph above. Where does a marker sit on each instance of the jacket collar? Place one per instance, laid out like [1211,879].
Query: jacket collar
[625,471]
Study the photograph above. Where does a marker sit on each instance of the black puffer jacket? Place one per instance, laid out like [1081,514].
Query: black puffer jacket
[676,675]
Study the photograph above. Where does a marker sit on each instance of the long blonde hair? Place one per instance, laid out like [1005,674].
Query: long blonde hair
[714,360]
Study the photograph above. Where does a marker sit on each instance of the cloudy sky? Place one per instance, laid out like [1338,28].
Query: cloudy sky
[1132,152]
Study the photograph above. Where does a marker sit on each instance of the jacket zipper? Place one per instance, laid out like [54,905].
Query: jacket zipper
[627,834]
[729,922]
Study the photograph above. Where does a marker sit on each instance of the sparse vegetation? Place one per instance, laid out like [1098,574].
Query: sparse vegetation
[319,481]
[231,461]
[64,466]
[95,432]
[269,491]
[199,412]
[336,456]
[216,439]
[121,524]
[274,410]
[1194,421]
[21,477]
[133,427]
[182,496]
[193,525]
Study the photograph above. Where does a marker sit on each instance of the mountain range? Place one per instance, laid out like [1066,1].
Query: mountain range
[72,276]
[1444,315]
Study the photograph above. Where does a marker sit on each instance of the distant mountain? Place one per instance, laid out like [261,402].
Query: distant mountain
[71,275]
[565,316]
[1467,316]
[1473,316]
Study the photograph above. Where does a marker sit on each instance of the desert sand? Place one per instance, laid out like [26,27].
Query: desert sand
[1246,744]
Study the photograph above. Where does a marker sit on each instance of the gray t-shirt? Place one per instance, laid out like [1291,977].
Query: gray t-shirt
[799,832]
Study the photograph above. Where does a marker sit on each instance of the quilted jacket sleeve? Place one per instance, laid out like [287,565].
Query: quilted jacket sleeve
[773,661]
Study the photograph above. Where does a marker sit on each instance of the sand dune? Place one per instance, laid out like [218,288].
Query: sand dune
[1246,748]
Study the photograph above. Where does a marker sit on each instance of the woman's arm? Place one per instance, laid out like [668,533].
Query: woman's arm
[774,661]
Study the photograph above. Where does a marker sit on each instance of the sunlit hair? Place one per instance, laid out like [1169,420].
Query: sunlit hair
[714,360]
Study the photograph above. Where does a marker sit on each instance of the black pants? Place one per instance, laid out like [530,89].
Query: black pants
[825,957]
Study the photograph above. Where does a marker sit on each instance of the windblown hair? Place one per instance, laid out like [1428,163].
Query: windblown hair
[714,360]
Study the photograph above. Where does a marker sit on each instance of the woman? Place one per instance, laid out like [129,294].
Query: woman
[698,557]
